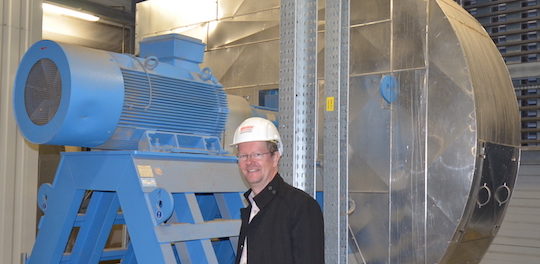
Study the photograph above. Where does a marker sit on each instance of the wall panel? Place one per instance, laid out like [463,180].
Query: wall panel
[20,27]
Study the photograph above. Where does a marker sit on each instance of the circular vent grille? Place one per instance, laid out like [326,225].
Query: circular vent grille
[43,92]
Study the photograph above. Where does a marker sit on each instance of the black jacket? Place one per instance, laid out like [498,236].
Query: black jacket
[288,228]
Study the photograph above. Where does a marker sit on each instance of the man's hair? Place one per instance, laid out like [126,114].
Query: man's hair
[272,146]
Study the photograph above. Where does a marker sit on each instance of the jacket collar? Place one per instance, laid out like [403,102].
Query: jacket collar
[268,193]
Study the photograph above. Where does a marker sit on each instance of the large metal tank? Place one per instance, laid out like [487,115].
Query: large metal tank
[433,135]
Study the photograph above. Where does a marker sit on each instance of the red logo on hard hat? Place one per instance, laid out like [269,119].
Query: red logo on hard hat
[246,129]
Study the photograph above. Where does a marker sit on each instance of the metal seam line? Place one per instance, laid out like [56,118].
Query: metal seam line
[426,132]
[391,134]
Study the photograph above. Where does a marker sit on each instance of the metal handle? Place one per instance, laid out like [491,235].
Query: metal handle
[352,207]
[151,62]
[480,204]
[498,194]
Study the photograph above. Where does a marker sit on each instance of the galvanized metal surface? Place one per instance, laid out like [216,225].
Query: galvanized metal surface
[298,93]
[421,177]
[414,167]
[335,162]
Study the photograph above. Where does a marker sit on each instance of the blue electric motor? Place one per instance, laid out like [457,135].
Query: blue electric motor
[160,101]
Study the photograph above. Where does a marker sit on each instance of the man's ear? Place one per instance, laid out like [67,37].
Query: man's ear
[276,157]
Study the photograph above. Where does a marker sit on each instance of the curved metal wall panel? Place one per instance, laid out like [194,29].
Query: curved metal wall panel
[158,17]
[451,149]
[489,77]
[232,8]
[235,67]
[425,165]
[497,134]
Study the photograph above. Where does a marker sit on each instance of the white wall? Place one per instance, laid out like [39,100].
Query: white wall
[20,27]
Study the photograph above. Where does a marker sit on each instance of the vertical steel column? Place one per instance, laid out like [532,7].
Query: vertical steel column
[335,167]
[298,92]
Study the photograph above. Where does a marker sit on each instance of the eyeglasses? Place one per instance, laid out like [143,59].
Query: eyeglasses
[253,156]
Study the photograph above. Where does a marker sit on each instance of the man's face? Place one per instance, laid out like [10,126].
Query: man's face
[258,172]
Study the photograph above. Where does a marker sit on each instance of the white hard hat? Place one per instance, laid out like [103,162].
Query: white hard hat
[257,129]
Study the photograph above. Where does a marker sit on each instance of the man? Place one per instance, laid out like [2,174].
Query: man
[282,224]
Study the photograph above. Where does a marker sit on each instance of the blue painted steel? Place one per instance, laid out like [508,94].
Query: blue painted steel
[319,197]
[208,205]
[173,46]
[114,255]
[93,233]
[183,156]
[174,49]
[195,251]
[228,204]
[78,173]
[161,203]
[224,251]
[55,225]
[99,99]
[269,99]
[113,178]
[389,88]
[109,100]
[129,257]
[172,105]
[42,196]
[153,141]
[90,101]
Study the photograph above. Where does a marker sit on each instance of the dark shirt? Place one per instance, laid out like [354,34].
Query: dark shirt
[288,228]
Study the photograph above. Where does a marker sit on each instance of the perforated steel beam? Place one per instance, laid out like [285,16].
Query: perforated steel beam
[298,92]
[336,72]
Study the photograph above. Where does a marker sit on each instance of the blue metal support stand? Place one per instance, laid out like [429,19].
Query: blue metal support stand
[178,208]
[93,232]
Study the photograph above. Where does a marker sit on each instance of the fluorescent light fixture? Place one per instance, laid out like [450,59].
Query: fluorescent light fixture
[50,8]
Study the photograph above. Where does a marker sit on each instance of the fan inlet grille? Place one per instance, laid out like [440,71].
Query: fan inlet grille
[43,92]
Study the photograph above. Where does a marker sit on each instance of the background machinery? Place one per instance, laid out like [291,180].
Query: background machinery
[431,144]
[161,168]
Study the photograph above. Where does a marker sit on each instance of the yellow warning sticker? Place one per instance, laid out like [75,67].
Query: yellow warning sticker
[330,104]
[145,171]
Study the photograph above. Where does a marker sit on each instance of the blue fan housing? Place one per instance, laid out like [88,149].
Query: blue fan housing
[76,96]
